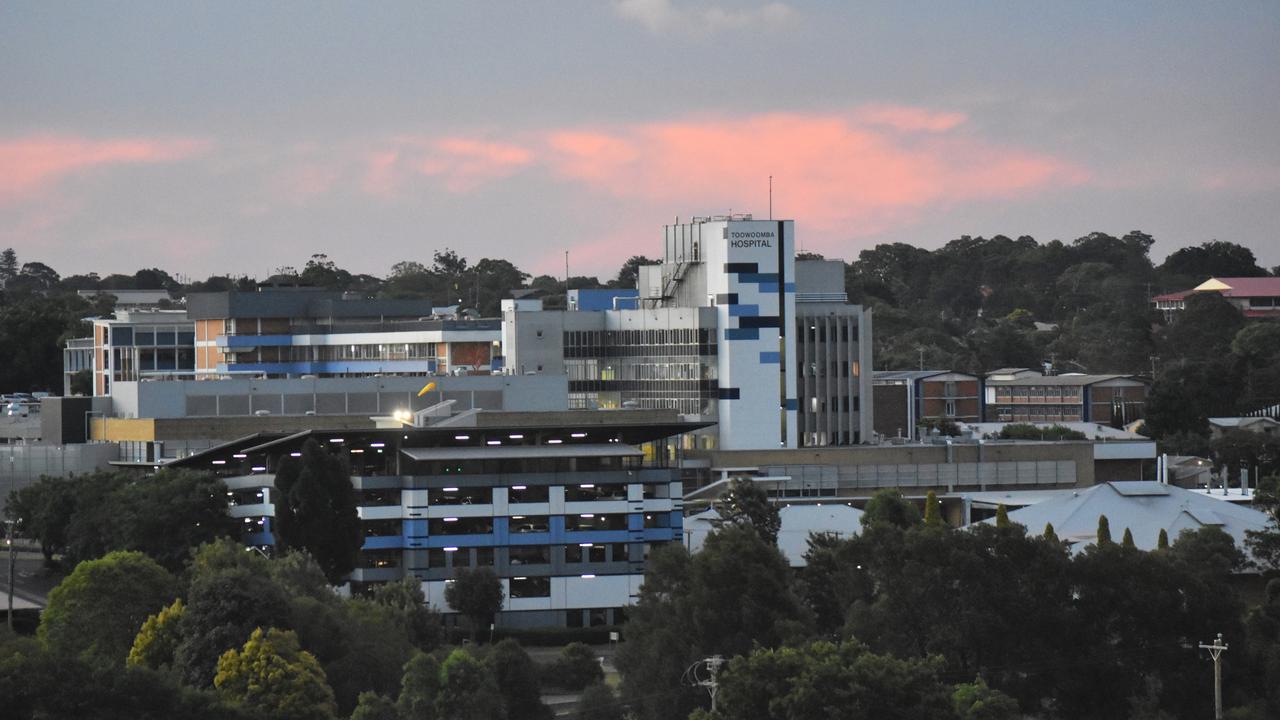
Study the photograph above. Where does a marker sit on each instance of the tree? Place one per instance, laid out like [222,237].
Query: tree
[1104,531]
[932,510]
[729,597]
[628,274]
[1192,265]
[748,505]
[576,668]
[44,510]
[8,266]
[1162,542]
[274,675]
[158,639]
[407,598]
[467,690]
[977,701]
[372,706]
[1050,534]
[1127,540]
[598,702]
[889,507]
[516,675]
[168,513]
[316,510]
[99,608]
[223,608]
[419,687]
[475,593]
[1265,544]
[1002,517]
[823,679]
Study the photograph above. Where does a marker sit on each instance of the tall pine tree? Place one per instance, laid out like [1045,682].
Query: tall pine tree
[316,510]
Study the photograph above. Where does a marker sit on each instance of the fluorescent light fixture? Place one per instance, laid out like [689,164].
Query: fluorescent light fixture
[588,577]
[259,468]
[519,487]
[356,450]
[377,445]
[449,489]
[585,544]
[451,519]
[248,520]
[520,578]
[554,441]
[451,549]
[587,515]
[295,454]
[229,493]
[336,440]
[493,442]
[239,456]
[461,437]
[513,517]
[516,436]
[587,486]
[219,462]
[577,435]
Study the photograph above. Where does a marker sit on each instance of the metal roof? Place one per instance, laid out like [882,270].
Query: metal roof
[514,452]
[1144,507]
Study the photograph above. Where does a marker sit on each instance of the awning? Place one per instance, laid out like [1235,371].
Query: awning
[513,452]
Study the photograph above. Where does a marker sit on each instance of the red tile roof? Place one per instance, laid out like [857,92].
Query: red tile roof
[1241,287]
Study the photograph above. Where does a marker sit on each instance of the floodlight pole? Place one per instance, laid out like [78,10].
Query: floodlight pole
[1215,651]
[9,617]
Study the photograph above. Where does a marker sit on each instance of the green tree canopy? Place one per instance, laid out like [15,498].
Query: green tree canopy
[477,594]
[100,607]
[747,504]
[316,510]
[273,675]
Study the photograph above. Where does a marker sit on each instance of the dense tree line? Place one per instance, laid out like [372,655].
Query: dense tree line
[912,619]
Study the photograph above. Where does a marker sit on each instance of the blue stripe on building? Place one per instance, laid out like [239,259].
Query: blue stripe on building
[729,393]
[771,356]
[743,310]
[741,333]
[762,321]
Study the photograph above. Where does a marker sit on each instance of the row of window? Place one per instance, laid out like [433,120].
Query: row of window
[1038,393]
[153,336]
[648,368]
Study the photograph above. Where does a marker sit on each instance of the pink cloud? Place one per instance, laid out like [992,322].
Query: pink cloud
[465,163]
[32,163]
[842,175]
[462,164]
[908,119]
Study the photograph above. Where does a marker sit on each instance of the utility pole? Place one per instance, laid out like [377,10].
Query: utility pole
[703,673]
[1215,651]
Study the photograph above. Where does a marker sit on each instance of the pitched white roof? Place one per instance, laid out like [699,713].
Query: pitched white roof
[798,521]
[1141,506]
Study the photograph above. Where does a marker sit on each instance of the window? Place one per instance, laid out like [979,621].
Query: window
[586,553]
[595,521]
[524,587]
[460,526]
[527,494]
[529,554]
[529,523]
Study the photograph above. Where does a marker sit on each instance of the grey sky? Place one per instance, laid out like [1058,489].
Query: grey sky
[239,137]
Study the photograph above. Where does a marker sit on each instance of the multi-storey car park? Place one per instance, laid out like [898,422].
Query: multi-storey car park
[565,513]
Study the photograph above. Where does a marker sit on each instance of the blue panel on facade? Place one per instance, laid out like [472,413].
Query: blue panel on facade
[741,333]
[729,393]
[758,278]
[743,310]
[772,357]
[476,540]
[760,321]
[237,341]
[596,536]
[789,287]
[383,542]
[793,404]
[741,267]
[602,299]
[769,287]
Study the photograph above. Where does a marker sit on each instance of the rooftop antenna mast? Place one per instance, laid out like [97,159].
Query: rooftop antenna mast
[770,197]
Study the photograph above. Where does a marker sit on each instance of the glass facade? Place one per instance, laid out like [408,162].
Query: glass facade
[673,369]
